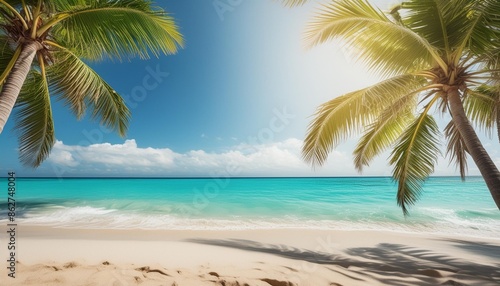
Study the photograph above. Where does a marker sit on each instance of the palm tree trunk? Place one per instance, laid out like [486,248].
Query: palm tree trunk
[483,161]
[15,80]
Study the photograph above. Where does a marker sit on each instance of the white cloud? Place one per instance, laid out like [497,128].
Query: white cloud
[109,158]
[274,159]
[105,159]
[62,157]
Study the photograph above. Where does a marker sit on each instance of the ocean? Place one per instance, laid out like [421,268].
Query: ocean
[447,206]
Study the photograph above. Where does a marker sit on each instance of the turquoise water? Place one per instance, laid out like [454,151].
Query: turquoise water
[447,206]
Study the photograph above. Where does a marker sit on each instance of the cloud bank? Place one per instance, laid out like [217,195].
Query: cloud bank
[273,159]
[128,159]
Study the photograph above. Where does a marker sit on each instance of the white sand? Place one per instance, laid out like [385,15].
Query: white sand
[49,256]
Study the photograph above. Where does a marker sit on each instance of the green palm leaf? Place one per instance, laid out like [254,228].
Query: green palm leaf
[17,3]
[482,27]
[50,6]
[5,55]
[342,116]
[60,35]
[34,121]
[116,29]
[5,14]
[456,149]
[81,87]
[69,5]
[481,106]
[385,130]
[386,47]
[7,58]
[492,59]
[293,3]
[414,157]
[440,22]
[426,18]
[8,9]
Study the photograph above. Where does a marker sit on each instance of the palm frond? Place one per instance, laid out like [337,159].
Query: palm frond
[5,16]
[49,6]
[440,22]
[413,158]
[340,117]
[11,9]
[482,27]
[385,130]
[17,3]
[395,14]
[8,58]
[456,149]
[34,123]
[293,3]
[481,106]
[81,88]
[386,47]
[116,29]
[55,6]
[493,61]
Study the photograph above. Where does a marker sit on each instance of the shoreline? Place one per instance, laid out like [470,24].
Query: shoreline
[219,225]
[299,257]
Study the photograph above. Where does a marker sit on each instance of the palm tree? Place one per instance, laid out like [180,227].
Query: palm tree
[436,56]
[43,46]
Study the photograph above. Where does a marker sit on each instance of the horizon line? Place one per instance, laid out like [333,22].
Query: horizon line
[219,177]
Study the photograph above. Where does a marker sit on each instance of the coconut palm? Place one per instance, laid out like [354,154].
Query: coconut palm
[437,56]
[44,49]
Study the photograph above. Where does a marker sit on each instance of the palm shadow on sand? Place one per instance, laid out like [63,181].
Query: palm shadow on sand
[387,263]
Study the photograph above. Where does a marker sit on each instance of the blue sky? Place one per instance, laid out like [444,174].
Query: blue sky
[235,101]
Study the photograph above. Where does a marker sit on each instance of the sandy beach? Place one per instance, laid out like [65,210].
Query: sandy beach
[249,143]
[56,256]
